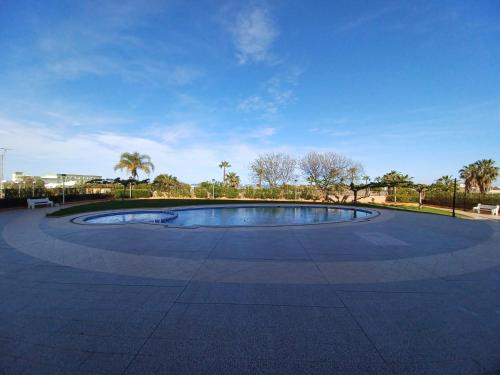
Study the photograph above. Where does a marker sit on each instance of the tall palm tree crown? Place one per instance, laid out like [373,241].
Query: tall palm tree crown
[445,182]
[487,173]
[480,174]
[233,179]
[469,173]
[135,162]
[224,164]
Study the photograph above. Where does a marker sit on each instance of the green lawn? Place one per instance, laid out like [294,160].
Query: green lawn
[150,203]
[425,210]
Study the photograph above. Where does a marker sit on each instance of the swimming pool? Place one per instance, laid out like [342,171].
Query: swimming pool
[234,216]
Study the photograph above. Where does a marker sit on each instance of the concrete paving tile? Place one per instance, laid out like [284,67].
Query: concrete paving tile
[260,272]
[110,329]
[78,342]
[267,294]
[58,357]
[204,365]
[11,365]
[264,245]
[434,327]
[249,331]
[456,367]
[104,363]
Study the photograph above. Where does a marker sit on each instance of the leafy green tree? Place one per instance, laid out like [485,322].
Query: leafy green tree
[393,179]
[135,162]
[166,182]
[421,189]
[224,164]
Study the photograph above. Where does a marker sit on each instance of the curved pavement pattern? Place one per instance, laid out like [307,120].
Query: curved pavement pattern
[401,293]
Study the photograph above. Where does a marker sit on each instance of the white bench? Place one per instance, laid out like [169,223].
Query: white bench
[33,202]
[487,207]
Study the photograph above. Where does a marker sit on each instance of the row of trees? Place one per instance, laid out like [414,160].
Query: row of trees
[332,174]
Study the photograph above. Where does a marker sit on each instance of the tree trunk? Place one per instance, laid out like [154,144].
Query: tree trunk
[420,194]
[325,193]
[395,197]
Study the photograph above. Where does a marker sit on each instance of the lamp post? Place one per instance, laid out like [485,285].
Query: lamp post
[63,192]
[3,151]
[213,188]
[295,188]
[33,190]
[454,197]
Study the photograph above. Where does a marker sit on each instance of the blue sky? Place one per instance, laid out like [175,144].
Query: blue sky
[412,86]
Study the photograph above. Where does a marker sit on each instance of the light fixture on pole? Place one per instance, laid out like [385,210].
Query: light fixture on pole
[63,192]
[3,151]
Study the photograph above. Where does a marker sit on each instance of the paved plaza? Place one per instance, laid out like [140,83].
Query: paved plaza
[402,293]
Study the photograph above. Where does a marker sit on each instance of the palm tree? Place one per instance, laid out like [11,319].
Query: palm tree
[224,164]
[135,162]
[233,180]
[486,173]
[469,174]
[445,182]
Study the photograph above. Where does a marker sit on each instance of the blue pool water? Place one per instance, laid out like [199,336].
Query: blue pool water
[158,217]
[234,216]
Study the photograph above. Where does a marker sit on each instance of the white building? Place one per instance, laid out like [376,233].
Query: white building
[53,180]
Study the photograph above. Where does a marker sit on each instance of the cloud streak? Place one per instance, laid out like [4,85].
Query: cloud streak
[276,94]
[254,33]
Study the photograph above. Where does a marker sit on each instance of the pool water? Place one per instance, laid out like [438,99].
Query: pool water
[235,216]
[158,217]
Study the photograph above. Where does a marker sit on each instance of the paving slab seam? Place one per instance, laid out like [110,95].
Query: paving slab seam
[168,311]
[259,304]
[347,309]
[372,343]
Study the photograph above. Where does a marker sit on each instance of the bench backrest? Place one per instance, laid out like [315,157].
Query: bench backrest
[488,206]
[38,200]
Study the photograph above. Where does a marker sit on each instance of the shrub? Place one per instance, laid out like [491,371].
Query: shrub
[403,195]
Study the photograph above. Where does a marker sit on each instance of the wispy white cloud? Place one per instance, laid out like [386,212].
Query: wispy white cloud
[277,93]
[112,47]
[138,70]
[367,18]
[176,132]
[254,33]
[332,132]
[262,133]
[191,157]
